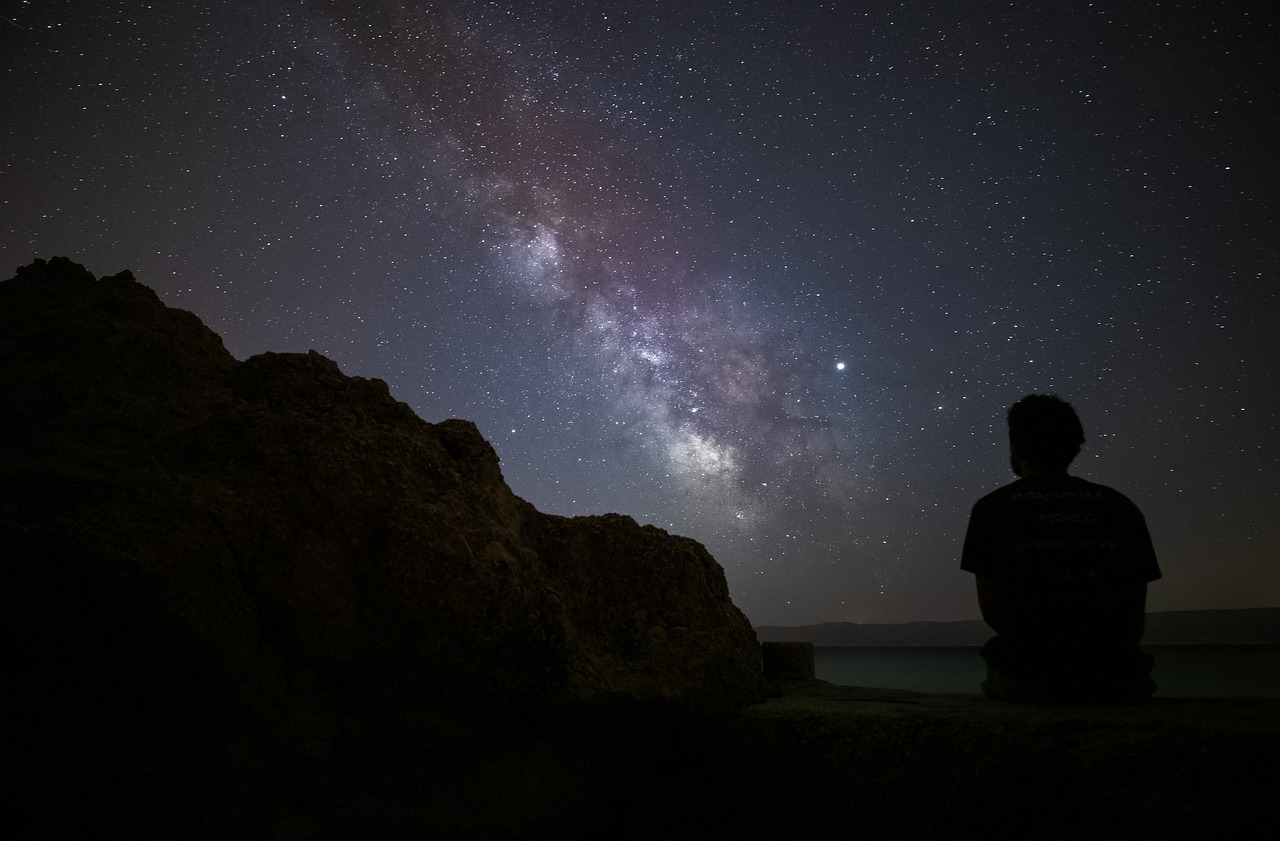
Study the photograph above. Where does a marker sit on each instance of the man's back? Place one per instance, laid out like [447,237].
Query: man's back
[1062,567]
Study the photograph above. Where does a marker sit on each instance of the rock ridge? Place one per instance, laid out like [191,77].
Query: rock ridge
[274,536]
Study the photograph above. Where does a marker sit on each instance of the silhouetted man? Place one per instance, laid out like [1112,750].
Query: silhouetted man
[1062,567]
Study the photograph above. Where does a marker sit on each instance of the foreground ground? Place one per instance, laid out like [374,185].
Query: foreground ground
[823,761]
[814,761]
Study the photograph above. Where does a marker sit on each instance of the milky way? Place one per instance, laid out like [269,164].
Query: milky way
[695,376]
[767,277]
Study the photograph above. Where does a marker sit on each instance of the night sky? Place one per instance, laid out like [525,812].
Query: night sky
[766,274]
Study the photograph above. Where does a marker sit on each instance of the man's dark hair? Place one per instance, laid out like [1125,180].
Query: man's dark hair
[1046,431]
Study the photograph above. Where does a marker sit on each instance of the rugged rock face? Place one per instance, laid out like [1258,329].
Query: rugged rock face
[181,531]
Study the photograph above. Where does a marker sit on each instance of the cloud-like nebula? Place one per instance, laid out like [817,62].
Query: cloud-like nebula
[686,351]
[682,355]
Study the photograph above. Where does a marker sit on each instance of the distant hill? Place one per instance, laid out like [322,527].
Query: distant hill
[1252,626]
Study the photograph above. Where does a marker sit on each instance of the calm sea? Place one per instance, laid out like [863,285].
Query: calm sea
[1183,671]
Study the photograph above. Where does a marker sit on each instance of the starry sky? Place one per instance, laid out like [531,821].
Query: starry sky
[766,274]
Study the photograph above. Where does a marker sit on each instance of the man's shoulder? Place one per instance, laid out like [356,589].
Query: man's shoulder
[1051,487]
[1102,492]
[1041,493]
[1001,492]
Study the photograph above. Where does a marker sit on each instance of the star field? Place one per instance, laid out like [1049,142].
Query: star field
[767,277]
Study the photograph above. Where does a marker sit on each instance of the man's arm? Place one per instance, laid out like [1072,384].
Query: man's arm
[1001,605]
[1130,601]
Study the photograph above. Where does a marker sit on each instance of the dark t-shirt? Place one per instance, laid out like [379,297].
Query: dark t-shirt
[1072,551]
[1059,528]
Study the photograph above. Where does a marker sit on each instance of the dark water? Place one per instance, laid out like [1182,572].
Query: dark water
[1183,671]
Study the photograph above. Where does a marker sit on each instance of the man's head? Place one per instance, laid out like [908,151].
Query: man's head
[1044,434]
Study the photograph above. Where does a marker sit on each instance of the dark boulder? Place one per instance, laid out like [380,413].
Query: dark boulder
[184,532]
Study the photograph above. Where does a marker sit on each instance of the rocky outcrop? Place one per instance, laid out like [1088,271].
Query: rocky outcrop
[181,530]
